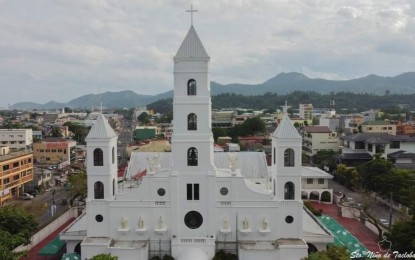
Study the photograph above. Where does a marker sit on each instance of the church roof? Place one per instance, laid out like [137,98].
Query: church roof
[286,129]
[101,129]
[192,46]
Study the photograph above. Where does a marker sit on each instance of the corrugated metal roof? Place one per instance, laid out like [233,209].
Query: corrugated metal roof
[253,165]
[101,129]
[286,130]
[192,46]
[317,129]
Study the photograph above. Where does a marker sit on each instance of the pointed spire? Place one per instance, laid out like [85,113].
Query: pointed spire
[286,129]
[101,129]
[191,47]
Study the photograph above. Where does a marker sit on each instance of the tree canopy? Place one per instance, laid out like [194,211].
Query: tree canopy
[17,226]
[332,253]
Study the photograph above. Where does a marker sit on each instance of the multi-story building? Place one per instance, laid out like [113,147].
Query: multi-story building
[350,123]
[16,169]
[55,151]
[306,111]
[331,120]
[16,138]
[405,129]
[361,147]
[319,138]
[384,127]
[223,118]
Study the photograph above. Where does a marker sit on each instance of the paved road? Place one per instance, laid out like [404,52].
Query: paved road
[376,208]
[47,199]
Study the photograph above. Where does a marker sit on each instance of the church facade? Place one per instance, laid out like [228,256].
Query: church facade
[191,202]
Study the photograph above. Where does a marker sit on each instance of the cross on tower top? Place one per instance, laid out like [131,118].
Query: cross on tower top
[285,107]
[191,11]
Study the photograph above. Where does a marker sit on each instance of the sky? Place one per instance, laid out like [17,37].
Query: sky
[58,50]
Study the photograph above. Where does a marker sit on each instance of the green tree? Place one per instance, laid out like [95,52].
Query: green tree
[56,131]
[144,119]
[165,118]
[332,253]
[80,132]
[252,126]
[370,171]
[104,257]
[79,186]
[402,236]
[325,158]
[17,226]
[219,132]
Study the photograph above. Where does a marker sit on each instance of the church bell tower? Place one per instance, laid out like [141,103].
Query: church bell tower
[192,140]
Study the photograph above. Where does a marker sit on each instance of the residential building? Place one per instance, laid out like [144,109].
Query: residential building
[315,185]
[362,147]
[379,127]
[224,118]
[16,169]
[319,138]
[349,124]
[370,115]
[37,134]
[306,111]
[55,151]
[405,129]
[331,120]
[16,138]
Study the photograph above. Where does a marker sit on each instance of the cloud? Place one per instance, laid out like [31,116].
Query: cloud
[69,48]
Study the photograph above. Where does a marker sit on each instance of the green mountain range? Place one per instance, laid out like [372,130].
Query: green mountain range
[282,84]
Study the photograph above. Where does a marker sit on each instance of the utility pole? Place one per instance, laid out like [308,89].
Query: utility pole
[390,211]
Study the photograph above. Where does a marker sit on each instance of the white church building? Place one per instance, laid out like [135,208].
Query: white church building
[191,202]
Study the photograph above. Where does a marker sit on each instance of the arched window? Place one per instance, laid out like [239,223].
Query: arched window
[98,190]
[113,187]
[191,87]
[192,157]
[113,155]
[289,191]
[274,155]
[289,158]
[192,122]
[98,157]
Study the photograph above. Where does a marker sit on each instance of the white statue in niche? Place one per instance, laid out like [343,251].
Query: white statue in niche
[232,159]
[264,224]
[161,222]
[226,223]
[140,223]
[124,223]
[245,223]
[154,162]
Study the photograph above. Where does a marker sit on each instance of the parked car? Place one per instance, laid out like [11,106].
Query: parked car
[33,193]
[26,196]
[384,221]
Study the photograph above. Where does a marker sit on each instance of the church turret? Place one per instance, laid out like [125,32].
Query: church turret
[101,160]
[192,140]
[102,174]
[286,160]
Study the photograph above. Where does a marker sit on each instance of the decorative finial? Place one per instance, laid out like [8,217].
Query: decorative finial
[100,100]
[285,107]
[191,11]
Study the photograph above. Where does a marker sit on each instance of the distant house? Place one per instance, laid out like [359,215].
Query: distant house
[319,138]
[145,132]
[361,147]
[315,184]
[379,127]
